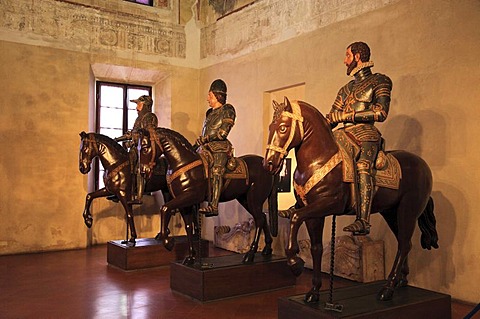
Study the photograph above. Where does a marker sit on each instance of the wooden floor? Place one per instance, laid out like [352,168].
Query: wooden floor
[80,284]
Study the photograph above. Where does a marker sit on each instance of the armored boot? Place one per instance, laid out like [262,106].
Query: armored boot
[361,226]
[212,208]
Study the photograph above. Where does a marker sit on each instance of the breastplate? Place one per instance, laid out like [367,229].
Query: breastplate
[212,123]
[361,95]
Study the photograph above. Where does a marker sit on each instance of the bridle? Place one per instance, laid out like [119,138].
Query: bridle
[297,120]
[92,144]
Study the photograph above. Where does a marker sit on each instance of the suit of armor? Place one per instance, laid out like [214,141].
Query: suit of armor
[145,120]
[358,105]
[218,123]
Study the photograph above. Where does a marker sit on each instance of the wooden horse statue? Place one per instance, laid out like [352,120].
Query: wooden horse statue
[188,182]
[319,179]
[117,178]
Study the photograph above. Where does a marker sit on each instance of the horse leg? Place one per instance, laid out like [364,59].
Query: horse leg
[315,232]
[185,199]
[87,216]
[163,235]
[406,221]
[129,216]
[297,218]
[188,217]
[255,210]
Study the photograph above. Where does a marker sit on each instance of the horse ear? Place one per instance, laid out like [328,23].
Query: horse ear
[275,105]
[83,134]
[287,101]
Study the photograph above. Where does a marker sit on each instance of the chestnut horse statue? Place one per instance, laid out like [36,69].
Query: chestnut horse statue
[189,185]
[302,127]
[117,178]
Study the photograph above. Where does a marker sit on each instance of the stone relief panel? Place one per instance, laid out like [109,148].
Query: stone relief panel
[268,22]
[91,29]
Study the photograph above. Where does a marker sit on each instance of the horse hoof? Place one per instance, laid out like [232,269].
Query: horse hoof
[296,265]
[188,261]
[169,243]
[248,258]
[385,294]
[267,251]
[402,283]
[88,221]
[312,296]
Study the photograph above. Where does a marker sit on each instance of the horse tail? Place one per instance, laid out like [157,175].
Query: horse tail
[427,224]
[273,206]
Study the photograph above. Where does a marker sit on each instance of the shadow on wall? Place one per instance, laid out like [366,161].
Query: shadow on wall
[180,122]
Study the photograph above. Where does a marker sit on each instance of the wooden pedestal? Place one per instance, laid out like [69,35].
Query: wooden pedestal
[148,253]
[360,302]
[226,276]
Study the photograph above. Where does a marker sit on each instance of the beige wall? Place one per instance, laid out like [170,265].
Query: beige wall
[430,50]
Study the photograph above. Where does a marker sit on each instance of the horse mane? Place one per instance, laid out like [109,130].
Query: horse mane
[110,142]
[176,136]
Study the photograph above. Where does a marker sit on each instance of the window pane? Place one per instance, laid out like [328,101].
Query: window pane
[111,117]
[111,96]
[132,115]
[111,132]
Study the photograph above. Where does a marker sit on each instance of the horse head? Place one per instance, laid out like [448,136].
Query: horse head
[88,150]
[148,151]
[285,132]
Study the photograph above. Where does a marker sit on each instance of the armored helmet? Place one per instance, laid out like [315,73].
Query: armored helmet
[147,101]
[218,86]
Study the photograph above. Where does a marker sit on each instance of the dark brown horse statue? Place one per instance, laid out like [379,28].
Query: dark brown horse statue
[189,185]
[302,127]
[117,178]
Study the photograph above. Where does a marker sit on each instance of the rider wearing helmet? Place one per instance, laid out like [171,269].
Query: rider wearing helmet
[219,120]
[145,120]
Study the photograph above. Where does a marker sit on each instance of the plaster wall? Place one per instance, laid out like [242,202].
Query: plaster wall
[429,49]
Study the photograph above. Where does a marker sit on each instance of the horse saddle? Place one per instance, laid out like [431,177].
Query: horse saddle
[236,168]
[387,168]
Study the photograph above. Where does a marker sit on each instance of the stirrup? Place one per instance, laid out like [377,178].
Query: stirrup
[209,211]
[286,213]
[359,227]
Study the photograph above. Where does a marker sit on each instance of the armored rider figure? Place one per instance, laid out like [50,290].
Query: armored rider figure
[219,120]
[146,119]
[358,105]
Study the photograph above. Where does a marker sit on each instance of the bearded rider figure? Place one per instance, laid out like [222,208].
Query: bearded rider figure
[219,120]
[359,104]
[145,120]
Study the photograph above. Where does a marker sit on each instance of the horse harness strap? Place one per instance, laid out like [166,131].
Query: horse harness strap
[183,170]
[153,134]
[296,116]
[117,169]
[319,174]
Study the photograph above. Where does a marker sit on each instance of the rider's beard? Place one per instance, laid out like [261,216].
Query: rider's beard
[351,66]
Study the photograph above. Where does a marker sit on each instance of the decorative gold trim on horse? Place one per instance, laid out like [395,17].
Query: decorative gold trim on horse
[182,170]
[319,174]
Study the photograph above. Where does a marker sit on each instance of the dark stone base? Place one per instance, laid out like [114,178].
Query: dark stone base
[148,253]
[226,276]
[360,302]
